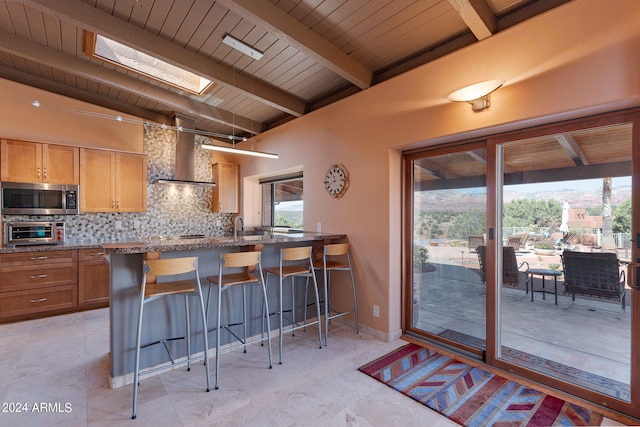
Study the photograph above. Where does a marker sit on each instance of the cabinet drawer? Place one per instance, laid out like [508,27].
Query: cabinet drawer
[91,254]
[29,277]
[37,258]
[37,300]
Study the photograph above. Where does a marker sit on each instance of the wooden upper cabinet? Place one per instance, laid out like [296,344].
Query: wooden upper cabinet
[131,182]
[60,164]
[24,161]
[112,181]
[226,192]
[98,180]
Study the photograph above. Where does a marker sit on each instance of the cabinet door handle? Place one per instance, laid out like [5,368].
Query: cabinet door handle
[38,173]
[39,276]
[98,254]
[45,173]
[113,203]
[35,258]
[39,300]
[118,204]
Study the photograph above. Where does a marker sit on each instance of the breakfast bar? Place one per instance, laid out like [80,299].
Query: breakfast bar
[125,263]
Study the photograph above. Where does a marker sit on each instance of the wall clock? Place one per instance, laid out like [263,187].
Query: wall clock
[336,181]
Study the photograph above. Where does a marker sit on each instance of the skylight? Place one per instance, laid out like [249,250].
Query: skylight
[120,55]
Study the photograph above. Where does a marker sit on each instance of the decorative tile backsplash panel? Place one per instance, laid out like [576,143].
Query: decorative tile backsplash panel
[171,209]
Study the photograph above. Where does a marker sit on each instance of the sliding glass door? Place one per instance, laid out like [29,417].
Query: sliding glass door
[448,205]
[564,232]
[524,250]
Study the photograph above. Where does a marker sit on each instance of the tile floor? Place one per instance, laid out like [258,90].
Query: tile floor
[62,362]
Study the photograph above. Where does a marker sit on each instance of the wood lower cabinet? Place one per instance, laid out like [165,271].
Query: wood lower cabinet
[32,283]
[27,304]
[39,284]
[93,278]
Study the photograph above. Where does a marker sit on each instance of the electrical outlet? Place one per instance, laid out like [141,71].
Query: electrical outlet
[136,224]
[376,310]
[319,227]
[118,225]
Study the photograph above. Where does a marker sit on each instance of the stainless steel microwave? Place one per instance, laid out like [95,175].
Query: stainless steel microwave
[20,198]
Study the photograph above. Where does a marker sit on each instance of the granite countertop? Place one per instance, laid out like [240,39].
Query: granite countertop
[186,244]
[45,248]
[156,244]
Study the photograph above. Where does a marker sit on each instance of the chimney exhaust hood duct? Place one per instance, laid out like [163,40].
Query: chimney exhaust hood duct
[185,153]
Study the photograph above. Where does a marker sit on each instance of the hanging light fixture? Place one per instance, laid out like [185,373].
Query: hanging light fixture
[233,138]
[476,94]
[234,150]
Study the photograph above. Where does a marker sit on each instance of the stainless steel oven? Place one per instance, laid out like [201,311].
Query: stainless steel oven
[33,233]
[39,199]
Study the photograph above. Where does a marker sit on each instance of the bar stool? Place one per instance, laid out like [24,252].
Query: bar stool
[290,266]
[244,261]
[170,267]
[335,257]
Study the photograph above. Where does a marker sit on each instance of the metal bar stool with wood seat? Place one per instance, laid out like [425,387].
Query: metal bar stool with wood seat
[335,257]
[176,269]
[290,266]
[245,261]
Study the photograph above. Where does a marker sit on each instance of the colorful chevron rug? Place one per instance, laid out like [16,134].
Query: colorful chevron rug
[472,396]
[572,374]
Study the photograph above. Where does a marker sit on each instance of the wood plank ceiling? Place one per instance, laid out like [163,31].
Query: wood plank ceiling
[315,51]
[581,154]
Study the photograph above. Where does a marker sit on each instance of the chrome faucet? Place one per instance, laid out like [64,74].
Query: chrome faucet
[235,226]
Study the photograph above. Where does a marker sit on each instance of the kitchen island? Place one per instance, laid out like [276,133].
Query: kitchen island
[165,319]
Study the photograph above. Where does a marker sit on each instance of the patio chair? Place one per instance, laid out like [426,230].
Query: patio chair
[594,274]
[475,240]
[517,241]
[565,241]
[511,272]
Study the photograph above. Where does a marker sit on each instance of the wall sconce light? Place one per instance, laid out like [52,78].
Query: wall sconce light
[477,94]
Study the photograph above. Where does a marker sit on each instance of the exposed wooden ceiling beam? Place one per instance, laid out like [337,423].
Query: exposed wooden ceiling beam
[70,92]
[21,47]
[478,16]
[569,144]
[90,18]
[601,170]
[478,155]
[434,169]
[276,21]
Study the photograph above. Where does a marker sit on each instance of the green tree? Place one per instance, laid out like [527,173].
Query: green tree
[469,222]
[532,213]
[423,223]
[420,255]
[436,232]
[622,217]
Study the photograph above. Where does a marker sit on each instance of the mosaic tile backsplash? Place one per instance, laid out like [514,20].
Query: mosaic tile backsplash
[171,209]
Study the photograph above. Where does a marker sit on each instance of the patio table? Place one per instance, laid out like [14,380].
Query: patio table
[543,272]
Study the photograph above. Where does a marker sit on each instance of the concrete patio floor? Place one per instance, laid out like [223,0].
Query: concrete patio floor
[589,335]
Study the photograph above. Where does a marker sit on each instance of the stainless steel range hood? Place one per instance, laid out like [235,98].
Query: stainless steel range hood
[185,154]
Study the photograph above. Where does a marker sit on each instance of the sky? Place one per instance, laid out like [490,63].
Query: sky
[584,185]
